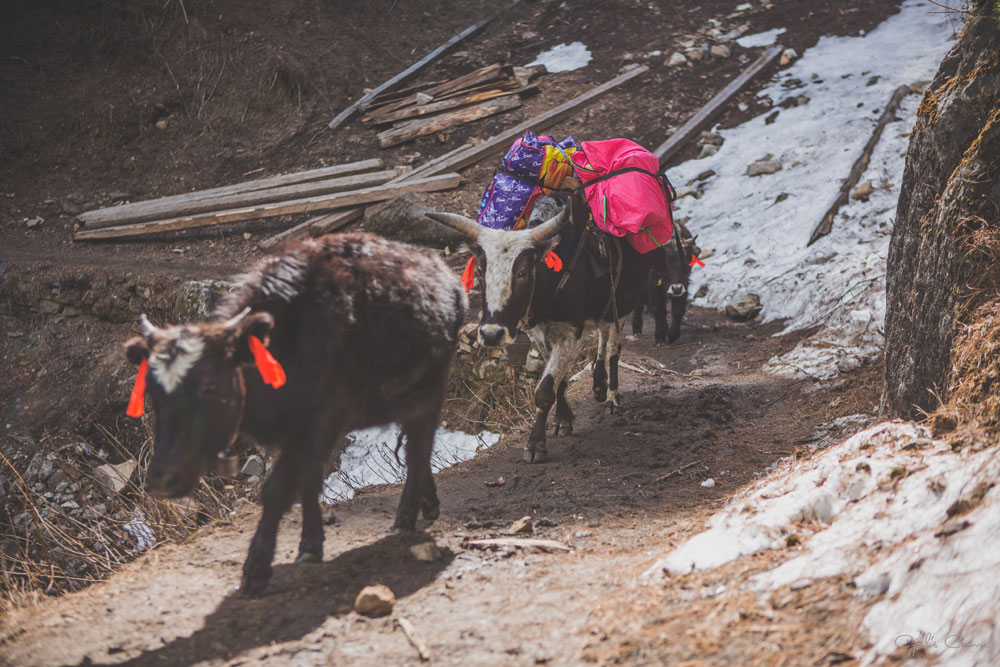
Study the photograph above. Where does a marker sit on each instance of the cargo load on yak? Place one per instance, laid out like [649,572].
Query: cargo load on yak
[532,168]
[618,178]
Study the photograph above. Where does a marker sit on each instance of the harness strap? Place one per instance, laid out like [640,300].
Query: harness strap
[668,188]
[576,255]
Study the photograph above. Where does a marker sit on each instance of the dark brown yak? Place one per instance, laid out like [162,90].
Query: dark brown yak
[365,330]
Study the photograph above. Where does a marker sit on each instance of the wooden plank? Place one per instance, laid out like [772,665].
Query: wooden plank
[324,203]
[159,209]
[469,154]
[470,80]
[96,216]
[496,84]
[479,77]
[385,98]
[707,113]
[416,111]
[412,129]
[362,103]
[314,226]
[860,165]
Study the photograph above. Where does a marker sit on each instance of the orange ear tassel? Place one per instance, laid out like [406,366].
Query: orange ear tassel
[136,400]
[270,370]
[695,260]
[553,262]
[469,277]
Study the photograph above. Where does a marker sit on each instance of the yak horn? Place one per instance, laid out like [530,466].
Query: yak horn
[232,323]
[550,227]
[148,328]
[465,226]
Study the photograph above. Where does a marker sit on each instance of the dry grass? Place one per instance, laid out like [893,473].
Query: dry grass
[484,392]
[46,549]
[974,393]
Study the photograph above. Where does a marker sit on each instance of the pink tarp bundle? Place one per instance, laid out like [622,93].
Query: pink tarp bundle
[632,204]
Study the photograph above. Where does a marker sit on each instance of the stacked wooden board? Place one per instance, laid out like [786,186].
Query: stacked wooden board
[328,188]
[437,106]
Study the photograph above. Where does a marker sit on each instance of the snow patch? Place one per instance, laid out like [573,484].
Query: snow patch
[369,458]
[563,57]
[758,226]
[140,531]
[876,508]
[766,38]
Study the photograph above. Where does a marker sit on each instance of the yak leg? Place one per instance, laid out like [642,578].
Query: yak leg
[680,276]
[565,346]
[678,305]
[599,371]
[311,543]
[564,414]
[276,495]
[658,306]
[419,491]
[614,353]
[639,307]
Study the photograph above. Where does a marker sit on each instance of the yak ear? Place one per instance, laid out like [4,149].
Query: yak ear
[254,324]
[137,350]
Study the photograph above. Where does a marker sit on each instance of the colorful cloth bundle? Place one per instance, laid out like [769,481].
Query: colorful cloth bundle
[621,183]
[532,168]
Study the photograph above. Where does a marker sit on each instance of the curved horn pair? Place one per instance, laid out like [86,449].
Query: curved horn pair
[550,227]
[471,229]
[150,330]
[232,323]
[467,227]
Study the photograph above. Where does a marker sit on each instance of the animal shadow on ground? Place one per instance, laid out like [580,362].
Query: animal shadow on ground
[300,598]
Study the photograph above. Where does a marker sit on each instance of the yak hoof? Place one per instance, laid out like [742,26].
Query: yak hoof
[431,512]
[563,429]
[254,585]
[309,557]
[534,454]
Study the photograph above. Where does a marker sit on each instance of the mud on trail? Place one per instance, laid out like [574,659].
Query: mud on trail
[618,491]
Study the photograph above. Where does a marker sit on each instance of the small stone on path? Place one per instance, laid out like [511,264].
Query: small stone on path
[375,601]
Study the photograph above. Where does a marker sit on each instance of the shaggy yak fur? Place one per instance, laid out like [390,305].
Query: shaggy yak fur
[520,292]
[365,330]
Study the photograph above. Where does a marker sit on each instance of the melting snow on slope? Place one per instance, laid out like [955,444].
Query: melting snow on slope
[766,38]
[884,507]
[563,57]
[369,458]
[758,226]
[876,508]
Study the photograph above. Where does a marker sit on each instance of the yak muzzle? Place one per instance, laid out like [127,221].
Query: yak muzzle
[494,335]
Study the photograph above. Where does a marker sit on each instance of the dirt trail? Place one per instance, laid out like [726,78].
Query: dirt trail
[702,400]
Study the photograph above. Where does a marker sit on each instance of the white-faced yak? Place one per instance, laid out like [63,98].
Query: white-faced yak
[526,288]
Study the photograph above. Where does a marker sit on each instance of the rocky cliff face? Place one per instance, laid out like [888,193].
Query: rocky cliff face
[944,258]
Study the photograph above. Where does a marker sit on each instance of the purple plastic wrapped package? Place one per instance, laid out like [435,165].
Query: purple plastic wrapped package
[507,196]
